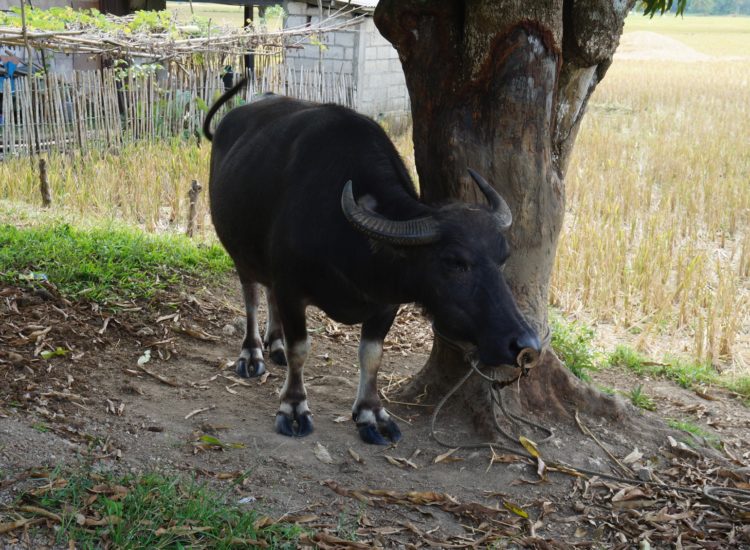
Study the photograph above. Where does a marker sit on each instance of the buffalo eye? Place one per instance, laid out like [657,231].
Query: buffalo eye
[456,264]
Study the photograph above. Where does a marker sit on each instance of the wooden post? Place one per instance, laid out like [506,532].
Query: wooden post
[44,184]
[249,56]
[195,189]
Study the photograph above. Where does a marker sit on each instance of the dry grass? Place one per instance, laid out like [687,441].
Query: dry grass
[145,183]
[656,238]
[712,35]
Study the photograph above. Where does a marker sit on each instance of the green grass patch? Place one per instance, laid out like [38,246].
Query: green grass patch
[695,430]
[572,342]
[687,373]
[641,399]
[105,263]
[624,356]
[156,511]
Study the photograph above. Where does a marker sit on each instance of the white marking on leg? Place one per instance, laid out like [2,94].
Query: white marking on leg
[296,355]
[383,416]
[251,328]
[277,345]
[370,357]
[257,354]
[286,408]
[366,416]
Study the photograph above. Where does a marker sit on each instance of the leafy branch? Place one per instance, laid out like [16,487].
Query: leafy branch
[652,7]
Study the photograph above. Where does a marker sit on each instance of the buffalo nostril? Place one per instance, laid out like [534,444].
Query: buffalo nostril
[528,358]
[530,351]
[529,340]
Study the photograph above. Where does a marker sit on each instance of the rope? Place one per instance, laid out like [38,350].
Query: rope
[708,493]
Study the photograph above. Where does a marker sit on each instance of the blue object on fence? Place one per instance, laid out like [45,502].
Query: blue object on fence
[10,71]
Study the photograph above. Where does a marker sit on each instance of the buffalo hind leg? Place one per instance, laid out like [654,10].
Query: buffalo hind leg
[274,336]
[250,362]
[373,421]
[294,417]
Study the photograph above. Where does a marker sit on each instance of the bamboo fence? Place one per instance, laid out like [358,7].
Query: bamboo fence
[104,109]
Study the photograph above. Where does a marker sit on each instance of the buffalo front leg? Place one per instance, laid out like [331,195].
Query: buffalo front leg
[373,421]
[294,417]
[250,362]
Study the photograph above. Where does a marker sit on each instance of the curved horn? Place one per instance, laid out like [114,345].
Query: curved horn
[497,203]
[409,232]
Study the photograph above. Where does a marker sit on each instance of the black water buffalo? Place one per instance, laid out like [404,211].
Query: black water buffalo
[313,202]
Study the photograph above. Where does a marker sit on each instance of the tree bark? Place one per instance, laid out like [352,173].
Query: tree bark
[501,86]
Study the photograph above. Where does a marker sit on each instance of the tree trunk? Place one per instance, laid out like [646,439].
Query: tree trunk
[500,86]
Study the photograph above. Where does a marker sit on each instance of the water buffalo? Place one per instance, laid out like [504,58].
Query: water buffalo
[314,203]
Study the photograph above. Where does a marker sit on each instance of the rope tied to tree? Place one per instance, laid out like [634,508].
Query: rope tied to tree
[717,495]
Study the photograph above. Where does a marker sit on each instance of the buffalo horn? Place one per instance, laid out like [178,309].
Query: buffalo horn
[497,203]
[408,232]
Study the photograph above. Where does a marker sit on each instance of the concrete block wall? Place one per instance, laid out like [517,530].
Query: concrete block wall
[335,52]
[363,53]
[381,86]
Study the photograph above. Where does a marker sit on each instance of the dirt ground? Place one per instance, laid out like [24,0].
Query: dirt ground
[96,403]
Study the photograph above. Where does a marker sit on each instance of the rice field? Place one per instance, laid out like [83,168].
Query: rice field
[655,251]
[657,242]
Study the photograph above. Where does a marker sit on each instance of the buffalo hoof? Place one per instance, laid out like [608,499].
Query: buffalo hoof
[369,434]
[390,429]
[284,424]
[278,357]
[376,427]
[249,368]
[297,425]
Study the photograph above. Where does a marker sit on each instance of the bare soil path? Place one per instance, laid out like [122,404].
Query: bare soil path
[96,403]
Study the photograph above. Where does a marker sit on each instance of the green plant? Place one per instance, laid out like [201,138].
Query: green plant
[624,356]
[572,341]
[689,372]
[641,399]
[156,511]
[695,430]
[104,263]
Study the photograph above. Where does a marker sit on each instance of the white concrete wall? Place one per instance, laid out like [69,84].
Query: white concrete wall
[335,52]
[363,53]
[381,86]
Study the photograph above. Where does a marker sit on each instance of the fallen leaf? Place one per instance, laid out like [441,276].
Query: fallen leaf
[340,419]
[400,462]
[633,456]
[263,521]
[541,469]
[145,358]
[58,352]
[322,454]
[515,509]
[13,525]
[530,446]
[198,411]
[308,518]
[442,457]
[355,456]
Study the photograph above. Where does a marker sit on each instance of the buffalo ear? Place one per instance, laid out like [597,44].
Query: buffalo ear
[407,232]
[499,207]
